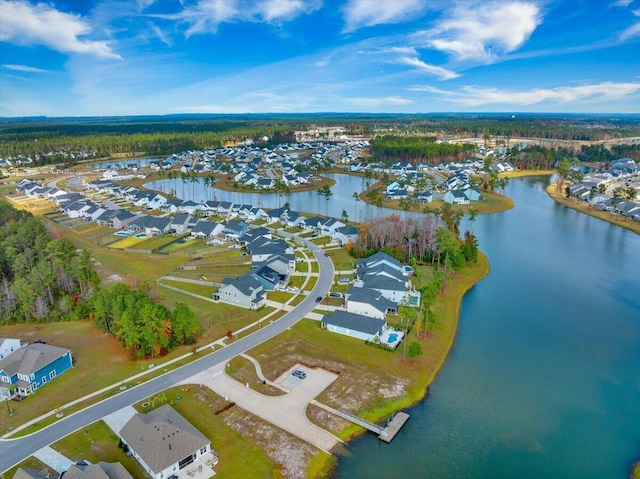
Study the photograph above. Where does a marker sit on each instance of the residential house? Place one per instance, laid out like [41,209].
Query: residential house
[353,325]
[346,234]
[207,229]
[28,473]
[456,197]
[101,470]
[31,367]
[156,226]
[7,346]
[246,292]
[163,441]
[369,302]
[180,223]
[121,218]
[235,230]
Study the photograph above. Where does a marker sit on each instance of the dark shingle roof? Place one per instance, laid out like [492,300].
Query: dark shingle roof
[162,437]
[355,322]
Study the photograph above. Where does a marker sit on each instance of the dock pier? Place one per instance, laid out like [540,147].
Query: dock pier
[385,434]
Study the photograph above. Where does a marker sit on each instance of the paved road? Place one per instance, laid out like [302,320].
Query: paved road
[13,451]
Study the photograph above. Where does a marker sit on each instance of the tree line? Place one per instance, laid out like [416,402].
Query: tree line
[393,148]
[144,327]
[545,157]
[45,279]
[42,278]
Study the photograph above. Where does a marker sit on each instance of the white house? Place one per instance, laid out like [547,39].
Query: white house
[163,441]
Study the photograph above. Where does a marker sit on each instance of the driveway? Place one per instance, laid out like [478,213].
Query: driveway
[53,459]
[288,412]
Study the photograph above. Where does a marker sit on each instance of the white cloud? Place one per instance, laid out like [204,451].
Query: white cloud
[162,36]
[636,12]
[622,3]
[367,13]
[632,31]
[24,68]
[472,96]
[373,102]
[483,31]
[41,24]
[206,15]
[282,10]
[441,73]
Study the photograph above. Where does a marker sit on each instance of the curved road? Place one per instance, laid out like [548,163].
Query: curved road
[13,451]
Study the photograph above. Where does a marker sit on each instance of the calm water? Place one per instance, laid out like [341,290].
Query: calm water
[308,201]
[544,379]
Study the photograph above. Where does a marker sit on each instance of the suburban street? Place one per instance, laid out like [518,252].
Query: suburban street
[13,451]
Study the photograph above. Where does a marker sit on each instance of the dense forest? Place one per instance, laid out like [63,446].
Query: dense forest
[143,326]
[51,140]
[545,157]
[413,240]
[42,278]
[417,149]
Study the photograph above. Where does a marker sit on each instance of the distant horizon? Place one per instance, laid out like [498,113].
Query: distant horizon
[338,115]
[103,58]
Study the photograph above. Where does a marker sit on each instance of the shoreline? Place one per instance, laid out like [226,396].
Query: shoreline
[449,308]
[581,207]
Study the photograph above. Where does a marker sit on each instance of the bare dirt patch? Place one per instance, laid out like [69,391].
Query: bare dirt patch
[292,454]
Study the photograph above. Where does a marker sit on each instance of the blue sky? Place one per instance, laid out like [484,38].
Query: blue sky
[135,57]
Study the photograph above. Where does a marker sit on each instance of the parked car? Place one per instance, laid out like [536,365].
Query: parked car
[333,294]
[319,299]
[299,374]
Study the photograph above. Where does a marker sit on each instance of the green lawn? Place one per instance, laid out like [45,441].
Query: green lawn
[322,240]
[201,289]
[96,443]
[342,260]
[156,242]
[238,456]
[279,296]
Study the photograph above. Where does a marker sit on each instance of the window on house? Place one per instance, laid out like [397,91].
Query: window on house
[203,450]
[52,374]
[44,379]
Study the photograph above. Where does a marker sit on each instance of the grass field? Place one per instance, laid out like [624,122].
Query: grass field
[99,362]
[97,443]
[201,289]
[238,456]
[342,260]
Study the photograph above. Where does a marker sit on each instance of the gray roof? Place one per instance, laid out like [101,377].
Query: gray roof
[101,470]
[247,284]
[371,260]
[372,297]
[355,322]
[31,358]
[162,437]
[28,473]
[383,282]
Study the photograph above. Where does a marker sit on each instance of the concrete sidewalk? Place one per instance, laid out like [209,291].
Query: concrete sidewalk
[288,412]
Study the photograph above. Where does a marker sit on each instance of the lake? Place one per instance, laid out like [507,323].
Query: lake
[544,378]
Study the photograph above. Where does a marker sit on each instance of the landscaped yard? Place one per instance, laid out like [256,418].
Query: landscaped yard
[342,260]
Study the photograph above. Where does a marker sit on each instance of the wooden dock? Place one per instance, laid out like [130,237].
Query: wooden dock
[385,434]
[389,432]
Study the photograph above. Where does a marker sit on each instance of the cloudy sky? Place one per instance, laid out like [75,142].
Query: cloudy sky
[122,57]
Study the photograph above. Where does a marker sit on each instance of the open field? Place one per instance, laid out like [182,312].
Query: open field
[99,362]
[587,209]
